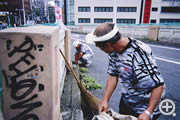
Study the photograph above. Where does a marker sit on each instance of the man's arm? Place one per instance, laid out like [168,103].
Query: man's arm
[110,86]
[154,99]
[78,57]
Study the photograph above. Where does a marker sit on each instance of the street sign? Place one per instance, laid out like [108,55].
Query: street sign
[58,12]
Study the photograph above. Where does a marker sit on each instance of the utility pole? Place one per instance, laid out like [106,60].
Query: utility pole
[24,16]
[20,23]
[31,2]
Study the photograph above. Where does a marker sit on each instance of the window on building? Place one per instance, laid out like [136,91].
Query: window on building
[103,9]
[102,20]
[71,2]
[170,9]
[83,20]
[169,20]
[84,9]
[153,21]
[154,9]
[126,21]
[126,9]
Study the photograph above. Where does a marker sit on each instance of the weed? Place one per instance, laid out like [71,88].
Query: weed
[88,81]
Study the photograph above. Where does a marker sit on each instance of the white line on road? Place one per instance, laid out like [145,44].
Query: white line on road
[166,60]
[164,47]
[158,46]
[159,58]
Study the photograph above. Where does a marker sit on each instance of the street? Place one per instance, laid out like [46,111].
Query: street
[168,60]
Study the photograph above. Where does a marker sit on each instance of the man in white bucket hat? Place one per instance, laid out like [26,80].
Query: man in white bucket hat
[132,64]
[84,53]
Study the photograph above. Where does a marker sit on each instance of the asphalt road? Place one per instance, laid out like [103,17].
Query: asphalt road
[168,60]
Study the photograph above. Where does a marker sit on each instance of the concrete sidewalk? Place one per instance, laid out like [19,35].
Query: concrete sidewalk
[71,98]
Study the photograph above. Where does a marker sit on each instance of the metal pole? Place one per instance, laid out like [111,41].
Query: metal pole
[9,21]
[20,17]
[24,16]
[31,9]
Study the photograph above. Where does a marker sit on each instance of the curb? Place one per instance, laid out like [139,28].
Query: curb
[71,98]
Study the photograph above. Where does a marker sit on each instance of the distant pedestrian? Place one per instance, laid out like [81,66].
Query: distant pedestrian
[84,53]
[132,63]
[0,25]
[4,24]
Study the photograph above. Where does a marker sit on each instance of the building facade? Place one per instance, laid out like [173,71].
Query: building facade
[69,12]
[51,14]
[17,11]
[40,6]
[165,11]
[84,12]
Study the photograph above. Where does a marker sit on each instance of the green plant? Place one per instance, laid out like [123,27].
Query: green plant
[89,82]
[83,70]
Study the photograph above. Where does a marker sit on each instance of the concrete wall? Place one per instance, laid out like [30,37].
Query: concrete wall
[169,34]
[160,33]
[33,72]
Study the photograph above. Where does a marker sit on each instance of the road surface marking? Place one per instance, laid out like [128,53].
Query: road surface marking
[159,58]
[171,48]
[166,60]
[158,46]
[164,47]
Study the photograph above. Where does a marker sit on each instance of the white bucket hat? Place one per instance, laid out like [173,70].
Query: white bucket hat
[76,43]
[91,38]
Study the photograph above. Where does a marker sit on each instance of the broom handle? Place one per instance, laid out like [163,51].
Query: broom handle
[74,74]
[95,102]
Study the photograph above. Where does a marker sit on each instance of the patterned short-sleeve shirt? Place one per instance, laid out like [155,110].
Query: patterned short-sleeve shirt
[85,49]
[138,74]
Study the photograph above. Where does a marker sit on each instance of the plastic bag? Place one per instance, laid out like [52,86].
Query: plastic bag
[111,115]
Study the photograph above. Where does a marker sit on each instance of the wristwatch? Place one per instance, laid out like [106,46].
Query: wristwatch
[148,113]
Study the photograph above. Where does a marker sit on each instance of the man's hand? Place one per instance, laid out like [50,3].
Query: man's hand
[74,62]
[104,106]
[80,55]
[143,116]
[77,57]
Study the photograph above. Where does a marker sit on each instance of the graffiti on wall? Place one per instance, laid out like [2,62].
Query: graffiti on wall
[23,81]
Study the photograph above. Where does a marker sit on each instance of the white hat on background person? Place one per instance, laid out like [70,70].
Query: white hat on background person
[76,43]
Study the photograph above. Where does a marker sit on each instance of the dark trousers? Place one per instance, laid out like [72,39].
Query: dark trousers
[124,109]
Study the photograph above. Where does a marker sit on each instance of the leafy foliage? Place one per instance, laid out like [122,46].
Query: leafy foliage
[88,81]
[83,70]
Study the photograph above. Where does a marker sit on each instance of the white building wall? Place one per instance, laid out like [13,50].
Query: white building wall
[159,15]
[170,15]
[106,3]
[130,15]
[155,14]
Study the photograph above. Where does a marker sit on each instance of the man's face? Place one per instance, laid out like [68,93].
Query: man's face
[106,48]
